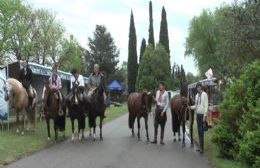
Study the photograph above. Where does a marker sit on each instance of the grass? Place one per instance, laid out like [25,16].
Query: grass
[213,153]
[13,146]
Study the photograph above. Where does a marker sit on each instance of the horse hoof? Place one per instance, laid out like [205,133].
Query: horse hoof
[17,131]
[101,138]
[22,133]
[183,145]
[191,145]
[49,139]
[174,140]
[179,139]
[72,138]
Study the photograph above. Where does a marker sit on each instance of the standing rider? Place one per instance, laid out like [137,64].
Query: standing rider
[55,84]
[95,79]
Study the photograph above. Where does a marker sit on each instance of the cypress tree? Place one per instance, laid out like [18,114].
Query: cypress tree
[132,66]
[142,49]
[164,38]
[151,35]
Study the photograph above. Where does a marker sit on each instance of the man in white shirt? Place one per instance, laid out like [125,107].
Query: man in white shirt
[162,103]
[76,79]
[201,109]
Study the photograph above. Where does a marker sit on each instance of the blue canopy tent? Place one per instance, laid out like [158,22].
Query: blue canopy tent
[115,85]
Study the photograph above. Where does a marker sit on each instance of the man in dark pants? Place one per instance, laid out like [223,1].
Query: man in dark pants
[162,103]
[25,76]
[201,109]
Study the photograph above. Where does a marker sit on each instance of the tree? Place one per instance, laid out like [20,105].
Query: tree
[164,38]
[132,66]
[71,55]
[151,34]
[102,51]
[154,67]
[142,49]
[191,78]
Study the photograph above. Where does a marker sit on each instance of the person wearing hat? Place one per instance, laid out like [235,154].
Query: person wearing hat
[25,76]
[95,79]
[55,83]
[162,104]
[201,109]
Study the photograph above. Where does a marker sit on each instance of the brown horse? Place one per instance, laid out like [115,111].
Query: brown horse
[139,105]
[19,101]
[180,111]
[51,111]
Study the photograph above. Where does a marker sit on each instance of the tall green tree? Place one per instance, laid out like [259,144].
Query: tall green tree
[142,49]
[102,51]
[164,38]
[154,67]
[132,66]
[151,33]
[71,55]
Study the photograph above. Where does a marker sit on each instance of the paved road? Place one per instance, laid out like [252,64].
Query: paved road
[118,150]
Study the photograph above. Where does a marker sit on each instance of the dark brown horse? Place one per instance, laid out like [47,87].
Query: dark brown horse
[96,107]
[75,103]
[180,111]
[51,111]
[139,105]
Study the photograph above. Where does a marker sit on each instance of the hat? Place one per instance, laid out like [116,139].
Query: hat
[96,66]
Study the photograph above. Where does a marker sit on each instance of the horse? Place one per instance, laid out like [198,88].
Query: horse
[139,105]
[96,108]
[51,111]
[180,111]
[18,99]
[75,103]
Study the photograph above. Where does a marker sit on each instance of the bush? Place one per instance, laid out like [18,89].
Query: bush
[237,133]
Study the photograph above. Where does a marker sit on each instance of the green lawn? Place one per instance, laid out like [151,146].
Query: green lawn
[13,146]
[213,154]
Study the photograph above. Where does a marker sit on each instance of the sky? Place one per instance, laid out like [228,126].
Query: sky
[80,18]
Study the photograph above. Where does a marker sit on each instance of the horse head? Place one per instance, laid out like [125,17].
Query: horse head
[78,94]
[146,101]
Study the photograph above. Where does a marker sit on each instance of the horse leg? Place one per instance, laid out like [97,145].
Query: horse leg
[100,127]
[18,123]
[179,130]
[23,123]
[94,130]
[56,130]
[191,128]
[138,125]
[133,126]
[72,127]
[48,128]
[183,132]
[146,127]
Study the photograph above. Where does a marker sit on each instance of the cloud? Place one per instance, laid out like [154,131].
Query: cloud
[81,16]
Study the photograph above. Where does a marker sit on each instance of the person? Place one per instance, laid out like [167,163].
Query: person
[201,109]
[55,84]
[162,103]
[95,79]
[25,76]
[76,79]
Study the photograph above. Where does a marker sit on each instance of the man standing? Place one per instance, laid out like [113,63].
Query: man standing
[25,76]
[201,109]
[162,103]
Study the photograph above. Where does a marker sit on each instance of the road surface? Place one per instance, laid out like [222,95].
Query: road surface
[118,150]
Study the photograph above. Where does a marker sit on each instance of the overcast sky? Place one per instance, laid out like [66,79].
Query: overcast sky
[81,16]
